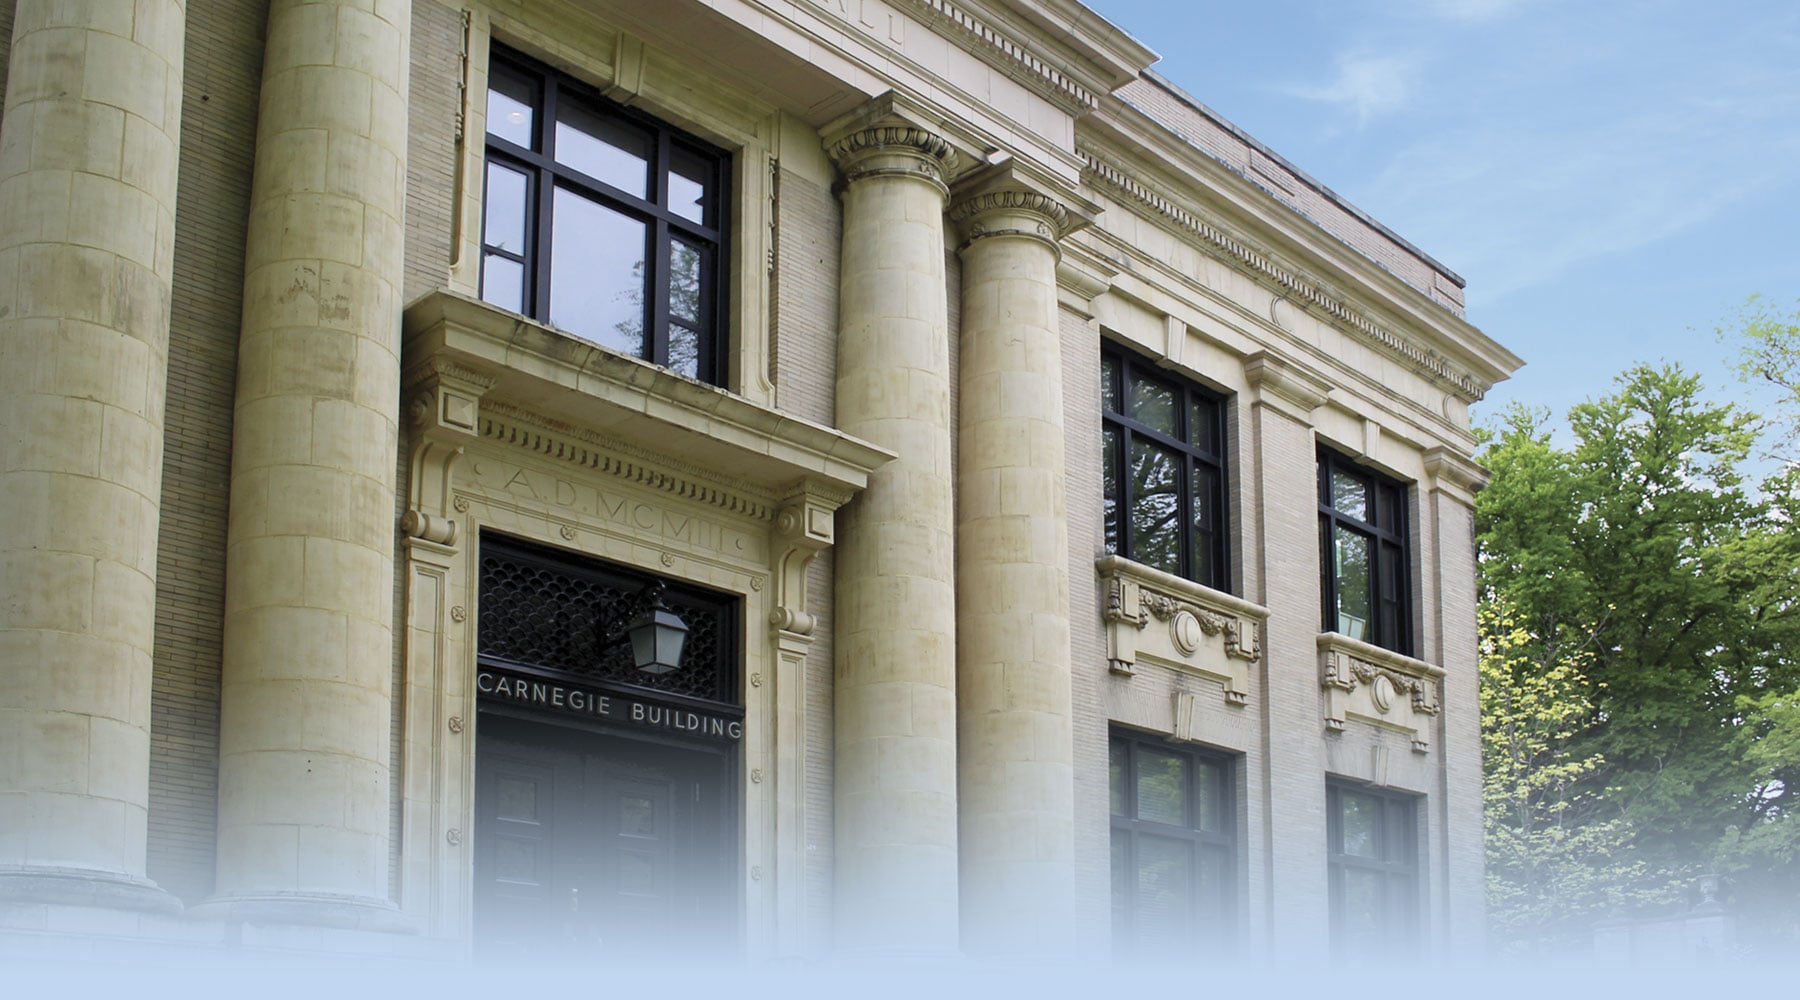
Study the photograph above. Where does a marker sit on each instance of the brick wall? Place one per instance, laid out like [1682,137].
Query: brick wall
[218,128]
[803,340]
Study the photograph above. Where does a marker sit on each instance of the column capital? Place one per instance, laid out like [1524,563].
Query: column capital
[1010,199]
[1455,474]
[889,136]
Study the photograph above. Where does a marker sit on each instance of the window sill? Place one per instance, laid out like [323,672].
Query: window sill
[1379,687]
[624,399]
[1207,632]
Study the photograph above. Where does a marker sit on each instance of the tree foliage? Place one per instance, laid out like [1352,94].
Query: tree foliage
[1653,597]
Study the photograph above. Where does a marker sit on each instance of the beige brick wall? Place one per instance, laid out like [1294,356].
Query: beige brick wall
[219,106]
[803,294]
[437,42]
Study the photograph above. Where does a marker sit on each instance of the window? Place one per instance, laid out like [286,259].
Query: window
[1164,466]
[1362,554]
[602,222]
[1373,861]
[1174,840]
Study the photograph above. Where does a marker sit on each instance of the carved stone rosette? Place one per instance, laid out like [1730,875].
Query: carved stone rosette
[1154,617]
[1379,687]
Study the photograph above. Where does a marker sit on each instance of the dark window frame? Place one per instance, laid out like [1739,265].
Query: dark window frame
[1220,909]
[1123,368]
[544,175]
[1396,868]
[1390,624]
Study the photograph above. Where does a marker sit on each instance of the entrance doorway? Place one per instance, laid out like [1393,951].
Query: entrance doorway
[605,796]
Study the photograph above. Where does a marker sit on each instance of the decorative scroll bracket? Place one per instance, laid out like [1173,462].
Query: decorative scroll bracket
[445,416]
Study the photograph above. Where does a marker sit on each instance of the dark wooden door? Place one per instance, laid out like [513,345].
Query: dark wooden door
[602,846]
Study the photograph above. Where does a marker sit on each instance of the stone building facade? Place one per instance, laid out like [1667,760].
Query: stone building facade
[1066,500]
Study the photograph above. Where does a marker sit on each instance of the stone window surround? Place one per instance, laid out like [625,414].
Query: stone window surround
[1193,455]
[747,132]
[518,427]
[1223,838]
[545,174]
[1383,537]
[1397,863]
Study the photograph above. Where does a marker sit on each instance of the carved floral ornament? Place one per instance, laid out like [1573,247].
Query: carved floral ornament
[1399,693]
[1152,617]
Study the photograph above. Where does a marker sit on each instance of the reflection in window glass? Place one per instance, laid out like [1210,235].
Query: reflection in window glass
[604,148]
[503,282]
[503,221]
[1350,495]
[597,273]
[1156,535]
[1153,404]
[689,178]
[509,109]
[1109,470]
[1162,788]
[1350,554]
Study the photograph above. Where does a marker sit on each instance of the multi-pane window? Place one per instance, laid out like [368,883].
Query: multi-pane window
[1173,848]
[1362,554]
[1373,859]
[1164,465]
[602,222]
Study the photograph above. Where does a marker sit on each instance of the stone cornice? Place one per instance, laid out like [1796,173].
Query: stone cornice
[983,39]
[1289,283]
[517,427]
[583,394]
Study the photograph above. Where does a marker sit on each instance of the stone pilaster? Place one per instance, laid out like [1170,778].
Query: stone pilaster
[1014,718]
[1448,507]
[87,222]
[896,608]
[1286,494]
[306,706]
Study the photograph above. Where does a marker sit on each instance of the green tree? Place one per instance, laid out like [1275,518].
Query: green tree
[1641,556]
[1553,866]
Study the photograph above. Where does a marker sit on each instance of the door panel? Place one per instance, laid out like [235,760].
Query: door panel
[599,845]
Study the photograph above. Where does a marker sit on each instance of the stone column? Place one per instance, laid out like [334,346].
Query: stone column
[1284,478]
[87,227]
[1013,695]
[305,708]
[896,607]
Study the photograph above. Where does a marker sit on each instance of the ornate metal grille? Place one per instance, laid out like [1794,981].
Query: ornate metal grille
[551,612]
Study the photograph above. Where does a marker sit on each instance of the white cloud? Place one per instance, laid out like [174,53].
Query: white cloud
[1369,85]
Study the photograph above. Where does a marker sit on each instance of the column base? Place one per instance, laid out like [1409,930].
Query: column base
[84,887]
[309,909]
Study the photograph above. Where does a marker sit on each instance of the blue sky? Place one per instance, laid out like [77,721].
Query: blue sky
[1613,178]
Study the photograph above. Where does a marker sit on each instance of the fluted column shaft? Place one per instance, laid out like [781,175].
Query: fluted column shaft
[895,570]
[88,161]
[1015,724]
[306,703]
